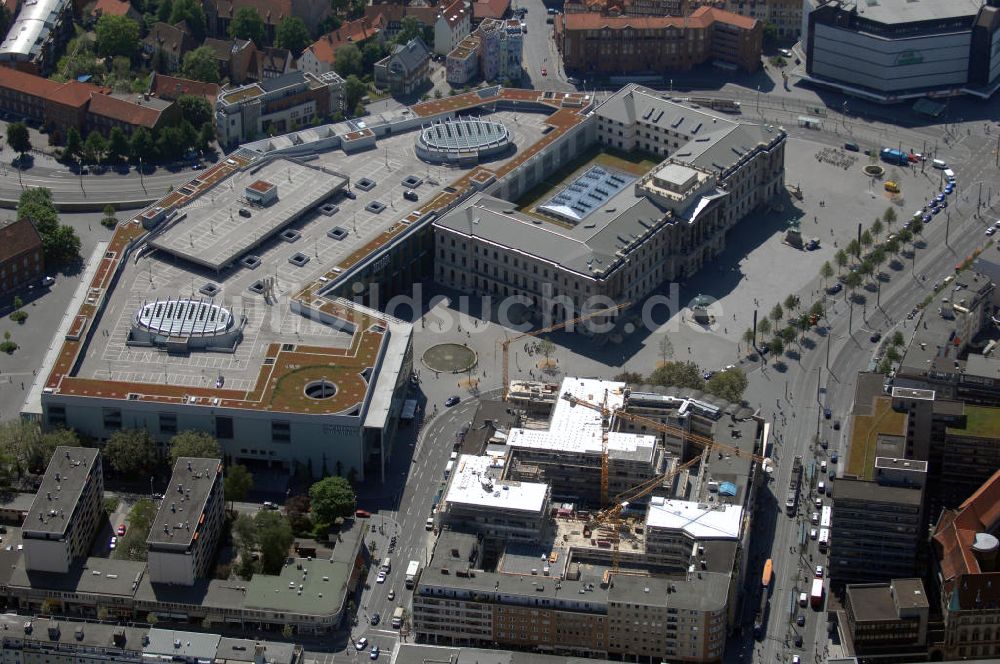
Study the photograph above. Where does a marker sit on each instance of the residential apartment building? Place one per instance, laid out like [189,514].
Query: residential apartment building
[320,57]
[594,43]
[967,570]
[502,44]
[452,25]
[877,526]
[21,260]
[887,618]
[219,13]
[106,112]
[235,58]
[462,62]
[36,34]
[277,105]
[168,44]
[406,69]
[477,499]
[186,529]
[784,15]
[62,521]
[630,7]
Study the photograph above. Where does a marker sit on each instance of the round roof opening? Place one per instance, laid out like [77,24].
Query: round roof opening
[320,389]
[985,543]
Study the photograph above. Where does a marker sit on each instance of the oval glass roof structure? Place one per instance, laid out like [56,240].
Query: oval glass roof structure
[464,135]
[184,317]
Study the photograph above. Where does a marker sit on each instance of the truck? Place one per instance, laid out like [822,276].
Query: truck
[816,595]
[793,486]
[767,576]
[894,156]
[412,571]
[397,617]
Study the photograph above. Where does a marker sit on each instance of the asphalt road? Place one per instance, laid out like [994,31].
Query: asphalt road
[794,400]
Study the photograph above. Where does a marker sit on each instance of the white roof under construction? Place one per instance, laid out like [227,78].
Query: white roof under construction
[474,484]
[700,521]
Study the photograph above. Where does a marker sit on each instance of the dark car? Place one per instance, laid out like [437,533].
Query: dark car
[836,425]
[410,195]
[451,401]
[827,413]
[801,620]
[798,640]
[835,288]
[350,194]
[875,338]
[375,619]
[853,147]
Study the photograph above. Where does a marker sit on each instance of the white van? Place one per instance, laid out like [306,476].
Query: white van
[939,164]
[803,599]
[949,175]
[821,487]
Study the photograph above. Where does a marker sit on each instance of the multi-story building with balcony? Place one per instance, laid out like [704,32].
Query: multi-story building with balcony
[186,529]
[62,522]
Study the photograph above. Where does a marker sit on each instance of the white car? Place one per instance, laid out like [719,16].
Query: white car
[114,543]
[813,533]
[380,578]
[392,595]
[785,52]
[991,230]
[361,644]
[48,281]
[819,571]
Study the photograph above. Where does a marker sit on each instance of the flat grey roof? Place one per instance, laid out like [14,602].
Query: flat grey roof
[184,502]
[304,587]
[95,576]
[60,491]
[181,646]
[410,653]
[871,602]
[212,232]
[907,11]
[243,650]
[91,634]
[851,489]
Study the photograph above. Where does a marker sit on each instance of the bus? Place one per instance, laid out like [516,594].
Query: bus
[824,539]
[826,518]
[767,576]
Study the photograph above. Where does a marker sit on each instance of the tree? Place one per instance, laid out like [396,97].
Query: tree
[892,246]
[287,631]
[792,303]
[680,374]
[354,90]
[238,482]
[777,346]
[546,348]
[770,34]
[191,12]
[409,28]
[140,144]
[370,54]
[197,444]
[764,326]
[748,337]
[332,497]
[897,338]
[917,227]
[867,267]
[94,147]
[292,34]
[130,451]
[788,334]
[61,245]
[866,239]
[817,309]
[201,65]
[247,24]
[118,146]
[297,511]
[140,519]
[877,228]
[274,536]
[826,272]
[18,138]
[109,220]
[116,35]
[36,205]
[195,109]
[666,349]
[840,258]
[347,62]
[892,354]
[631,377]
[854,248]
[729,385]
[74,144]
[889,217]
[163,11]
[853,280]
[777,313]
[206,136]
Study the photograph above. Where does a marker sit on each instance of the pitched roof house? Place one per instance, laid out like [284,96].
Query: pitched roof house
[321,55]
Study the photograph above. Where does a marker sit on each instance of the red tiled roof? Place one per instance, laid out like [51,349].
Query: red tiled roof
[123,110]
[18,237]
[489,9]
[72,93]
[723,16]
[172,87]
[272,11]
[956,530]
[112,7]
[454,12]
[353,32]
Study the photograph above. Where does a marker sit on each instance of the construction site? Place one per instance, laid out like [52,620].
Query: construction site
[633,499]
